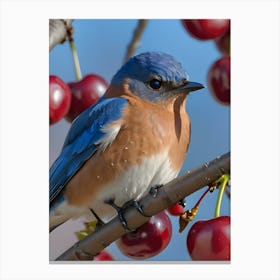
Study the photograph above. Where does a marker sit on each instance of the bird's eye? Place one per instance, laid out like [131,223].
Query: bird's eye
[155,83]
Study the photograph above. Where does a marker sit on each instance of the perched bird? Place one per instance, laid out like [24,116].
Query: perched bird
[134,138]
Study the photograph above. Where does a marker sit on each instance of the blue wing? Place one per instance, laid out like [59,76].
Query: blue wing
[80,142]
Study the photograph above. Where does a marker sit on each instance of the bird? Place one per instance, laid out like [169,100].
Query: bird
[135,137]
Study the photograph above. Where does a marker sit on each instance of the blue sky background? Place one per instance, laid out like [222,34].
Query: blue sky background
[101,47]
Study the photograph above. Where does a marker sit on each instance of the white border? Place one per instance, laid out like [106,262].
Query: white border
[254,129]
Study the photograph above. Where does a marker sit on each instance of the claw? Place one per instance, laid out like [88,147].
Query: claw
[120,211]
[120,214]
[123,221]
[137,205]
[99,221]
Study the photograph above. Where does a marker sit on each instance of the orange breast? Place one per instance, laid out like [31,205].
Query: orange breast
[146,130]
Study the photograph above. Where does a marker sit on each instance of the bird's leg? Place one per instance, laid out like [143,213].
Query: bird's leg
[137,205]
[99,221]
[126,205]
[120,214]
[90,226]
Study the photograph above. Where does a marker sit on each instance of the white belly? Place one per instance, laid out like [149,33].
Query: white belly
[134,183]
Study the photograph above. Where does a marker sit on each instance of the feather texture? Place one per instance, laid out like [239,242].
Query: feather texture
[83,140]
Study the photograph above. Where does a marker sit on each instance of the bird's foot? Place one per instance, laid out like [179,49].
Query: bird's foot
[100,223]
[137,205]
[121,210]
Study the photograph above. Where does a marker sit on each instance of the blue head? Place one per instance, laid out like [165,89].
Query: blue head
[155,76]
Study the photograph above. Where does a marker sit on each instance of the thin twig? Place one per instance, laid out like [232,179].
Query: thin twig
[165,197]
[136,38]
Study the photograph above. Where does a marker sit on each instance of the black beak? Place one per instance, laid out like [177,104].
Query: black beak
[188,87]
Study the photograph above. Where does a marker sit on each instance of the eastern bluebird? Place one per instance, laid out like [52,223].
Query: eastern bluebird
[134,138]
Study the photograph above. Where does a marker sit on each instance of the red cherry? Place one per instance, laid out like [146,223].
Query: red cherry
[219,80]
[59,99]
[149,239]
[103,256]
[175,210]
[223,43]
[205,29]
[85,93]
[210,240]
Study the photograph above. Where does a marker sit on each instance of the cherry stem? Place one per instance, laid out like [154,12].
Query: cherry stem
[76,59]
[203,195]
[223,181]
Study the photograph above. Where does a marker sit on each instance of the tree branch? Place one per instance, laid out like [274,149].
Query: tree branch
[59,31]
[166,196]
[136,38]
